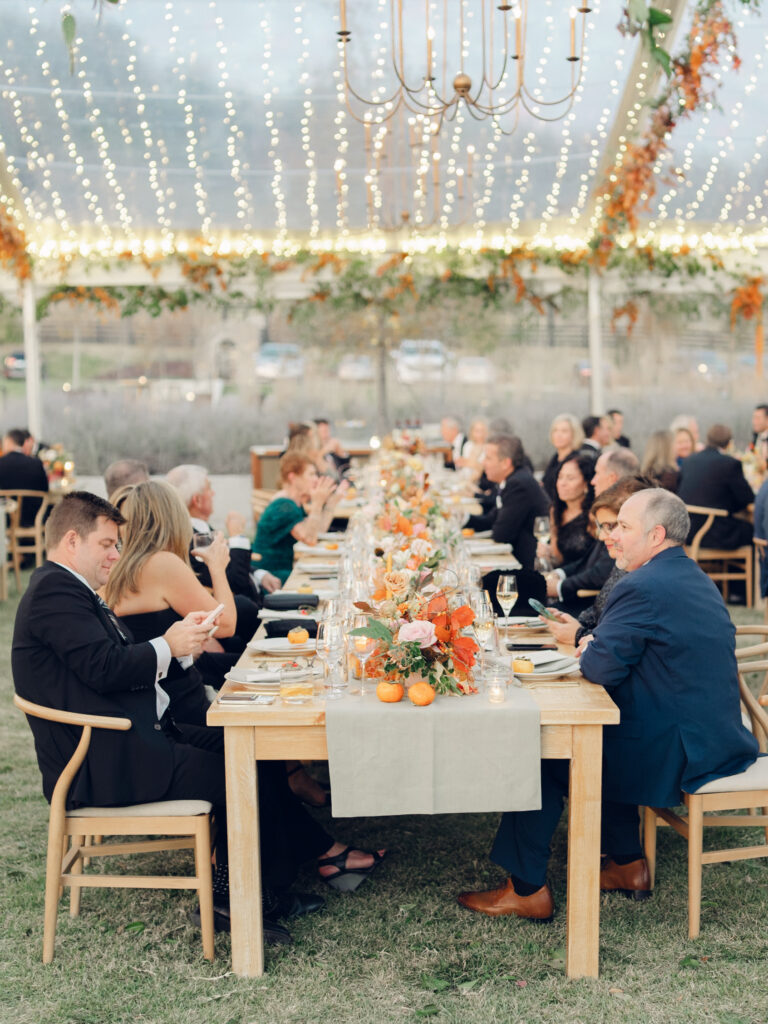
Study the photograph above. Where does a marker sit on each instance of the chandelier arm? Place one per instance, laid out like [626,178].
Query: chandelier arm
[549,119]
[526,95]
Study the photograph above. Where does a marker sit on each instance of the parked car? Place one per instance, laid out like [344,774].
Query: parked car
[474,370]
[356,367]
[420,359]
[279,361]
[15,366]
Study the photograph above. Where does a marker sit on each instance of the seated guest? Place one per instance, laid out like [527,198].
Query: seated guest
[450,431]
[659,460]
[566,436]
[70,653]
[565,583]
[20,472]
[680,727]
[519,498]
[760,518]
[570,539]
[301,510]
[473,452]
[687,422]
[759,443]
[331,448]
[124,471]
[597,435]
[683,444]
[153,584]
[616,417]
[605,510]
[715,479]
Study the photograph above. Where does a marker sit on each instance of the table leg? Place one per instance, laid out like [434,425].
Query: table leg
[244,858]
[584,807]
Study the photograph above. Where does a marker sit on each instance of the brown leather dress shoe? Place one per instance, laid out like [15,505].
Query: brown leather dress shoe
[633,879]
[539,906]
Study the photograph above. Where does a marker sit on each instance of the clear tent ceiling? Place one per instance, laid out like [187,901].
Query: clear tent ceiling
[224,118]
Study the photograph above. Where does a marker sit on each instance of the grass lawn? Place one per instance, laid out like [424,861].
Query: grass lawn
[400,949]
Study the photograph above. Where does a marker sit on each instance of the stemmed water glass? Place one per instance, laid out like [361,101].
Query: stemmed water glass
[506,592]
[330,650]
[362,647]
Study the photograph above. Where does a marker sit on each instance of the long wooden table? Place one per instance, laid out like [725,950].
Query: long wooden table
[572,720]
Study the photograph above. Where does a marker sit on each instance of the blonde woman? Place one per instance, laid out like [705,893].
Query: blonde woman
[153,585]
[566,436]
[474,448]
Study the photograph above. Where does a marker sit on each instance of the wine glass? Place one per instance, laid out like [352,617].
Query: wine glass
[506,592]
[484,624]
[330,650]
[362,647]
[541,531]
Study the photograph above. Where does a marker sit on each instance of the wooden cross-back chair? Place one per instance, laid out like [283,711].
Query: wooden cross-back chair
[747,791]
[184,824]
[721,565]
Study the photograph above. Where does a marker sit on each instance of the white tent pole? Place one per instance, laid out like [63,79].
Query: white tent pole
[32,358]
[596,383]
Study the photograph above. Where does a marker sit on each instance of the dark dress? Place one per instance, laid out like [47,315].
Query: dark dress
[574,541]
[185,687]
[273,539]
[590,617]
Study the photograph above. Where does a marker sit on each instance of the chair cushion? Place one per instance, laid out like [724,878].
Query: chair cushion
[755,777]
[159,809]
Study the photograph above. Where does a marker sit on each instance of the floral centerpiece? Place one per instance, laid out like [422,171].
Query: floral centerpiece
[419,626]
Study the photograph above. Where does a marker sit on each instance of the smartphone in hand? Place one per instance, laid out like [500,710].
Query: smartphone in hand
[211,618]
[542,610]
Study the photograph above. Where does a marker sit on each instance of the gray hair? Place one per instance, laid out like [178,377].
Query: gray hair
[124,471]
[622,462]
[188,480]
[663,508]
[451,421]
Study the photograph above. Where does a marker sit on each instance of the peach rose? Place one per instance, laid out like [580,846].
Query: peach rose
[397,582]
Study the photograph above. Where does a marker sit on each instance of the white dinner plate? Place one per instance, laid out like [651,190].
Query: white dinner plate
[281,645]
[545,677]
[320,550]
[267,614]
[309,568]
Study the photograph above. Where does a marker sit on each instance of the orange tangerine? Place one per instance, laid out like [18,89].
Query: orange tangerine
[390,693]
[421,694]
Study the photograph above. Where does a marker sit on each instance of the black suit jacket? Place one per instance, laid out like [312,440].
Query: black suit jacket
[20,472]
[522,499]
[714,479]
[67,654]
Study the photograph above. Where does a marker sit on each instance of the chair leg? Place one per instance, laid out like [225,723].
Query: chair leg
[695,844]
[56,843]
[750,583]
[205,885]
[649,841]
[76,869]
[17,569]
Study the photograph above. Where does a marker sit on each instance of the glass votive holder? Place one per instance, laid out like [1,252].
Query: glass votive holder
[497,680]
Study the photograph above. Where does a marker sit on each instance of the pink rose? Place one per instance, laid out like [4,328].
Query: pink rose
[420,631]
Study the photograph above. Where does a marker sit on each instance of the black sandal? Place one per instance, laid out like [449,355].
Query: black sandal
[348,879]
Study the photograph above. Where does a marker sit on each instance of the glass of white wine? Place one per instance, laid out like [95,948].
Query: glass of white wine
[484,625]
[506,593]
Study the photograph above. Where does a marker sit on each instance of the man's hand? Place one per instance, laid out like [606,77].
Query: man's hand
[270,583]
[564,630]
[187,636]
[552,581]
[235,523]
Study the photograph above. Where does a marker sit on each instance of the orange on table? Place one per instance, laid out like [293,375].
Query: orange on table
[421,694]
[390,693]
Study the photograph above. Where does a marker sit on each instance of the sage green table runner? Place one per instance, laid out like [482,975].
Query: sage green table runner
[459,754]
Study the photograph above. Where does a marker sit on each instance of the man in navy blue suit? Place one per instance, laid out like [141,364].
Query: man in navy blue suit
[664,650]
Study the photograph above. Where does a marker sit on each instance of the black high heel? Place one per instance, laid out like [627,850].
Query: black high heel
[348,879]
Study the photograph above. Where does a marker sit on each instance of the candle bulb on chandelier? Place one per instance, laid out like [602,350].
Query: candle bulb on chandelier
[430,37]
[517,14]
[470,155]
[573,33]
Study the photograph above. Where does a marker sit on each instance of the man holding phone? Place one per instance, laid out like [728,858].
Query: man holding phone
[664,650]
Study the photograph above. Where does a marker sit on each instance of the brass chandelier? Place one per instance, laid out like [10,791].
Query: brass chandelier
[450,43]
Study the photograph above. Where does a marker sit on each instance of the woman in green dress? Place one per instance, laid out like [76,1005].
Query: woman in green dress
[301,510]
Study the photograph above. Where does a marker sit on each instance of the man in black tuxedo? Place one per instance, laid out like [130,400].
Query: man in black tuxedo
[451,433]
[716,480]
[70,652]
[597,435]
[518,501]
[20,472]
